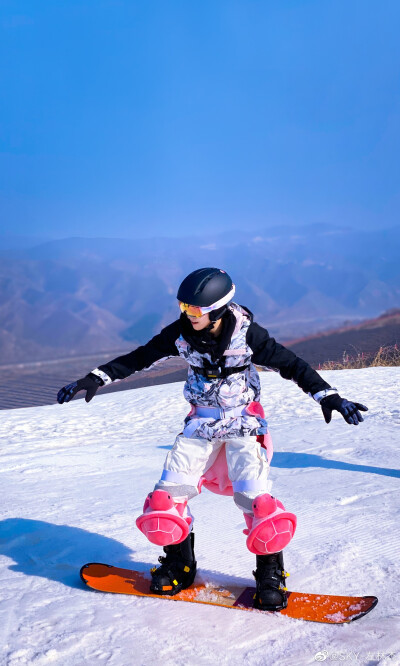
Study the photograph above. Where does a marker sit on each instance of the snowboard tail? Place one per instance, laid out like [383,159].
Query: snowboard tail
[302,606]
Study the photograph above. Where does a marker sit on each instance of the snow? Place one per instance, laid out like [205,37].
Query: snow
[74,478]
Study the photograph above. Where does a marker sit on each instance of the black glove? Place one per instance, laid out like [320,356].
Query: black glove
[90,384]
[349,410]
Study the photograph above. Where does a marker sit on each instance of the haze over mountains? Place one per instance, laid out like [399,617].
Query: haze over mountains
[86,295]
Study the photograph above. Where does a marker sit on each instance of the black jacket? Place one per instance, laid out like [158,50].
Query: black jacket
[266,353]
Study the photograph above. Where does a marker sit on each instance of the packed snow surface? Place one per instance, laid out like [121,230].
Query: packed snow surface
[74,478]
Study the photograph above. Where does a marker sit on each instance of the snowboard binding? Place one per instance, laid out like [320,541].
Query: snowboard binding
[271,591]
[177,570]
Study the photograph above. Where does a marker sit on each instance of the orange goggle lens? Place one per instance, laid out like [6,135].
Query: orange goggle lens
[192,310]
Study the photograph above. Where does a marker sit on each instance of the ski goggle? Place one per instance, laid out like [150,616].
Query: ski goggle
[199,311]
[193,310]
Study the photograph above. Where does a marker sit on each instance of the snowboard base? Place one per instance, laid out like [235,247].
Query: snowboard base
[302,606]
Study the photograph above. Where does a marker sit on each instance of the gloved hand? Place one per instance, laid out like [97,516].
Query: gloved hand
[90,384]
[349,410]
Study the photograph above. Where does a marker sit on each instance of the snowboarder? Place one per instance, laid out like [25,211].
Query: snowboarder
[225,443]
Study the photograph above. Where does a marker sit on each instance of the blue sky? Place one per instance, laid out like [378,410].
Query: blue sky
[164,117]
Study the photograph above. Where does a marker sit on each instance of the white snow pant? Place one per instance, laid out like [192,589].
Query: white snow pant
[191,457]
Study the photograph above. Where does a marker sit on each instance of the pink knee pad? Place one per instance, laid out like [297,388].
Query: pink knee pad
[271,528]
[163,521]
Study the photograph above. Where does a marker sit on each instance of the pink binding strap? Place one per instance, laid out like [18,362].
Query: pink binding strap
[256,409]
[163,521]
[271,528]
[216,479]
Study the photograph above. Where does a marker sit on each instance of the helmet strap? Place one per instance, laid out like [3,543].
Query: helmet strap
[217,314]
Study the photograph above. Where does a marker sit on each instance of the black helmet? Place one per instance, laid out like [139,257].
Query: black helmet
[207,287]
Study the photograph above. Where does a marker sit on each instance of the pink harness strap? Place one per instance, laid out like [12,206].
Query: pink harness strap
[216,479]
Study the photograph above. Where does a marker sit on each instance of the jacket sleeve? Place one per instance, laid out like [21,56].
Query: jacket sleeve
[269,353]
[159,347]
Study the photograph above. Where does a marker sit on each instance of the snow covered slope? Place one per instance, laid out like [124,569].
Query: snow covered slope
[74,477]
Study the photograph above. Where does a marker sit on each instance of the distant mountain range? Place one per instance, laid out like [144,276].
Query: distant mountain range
[80,296]
[362,339]
[34,384]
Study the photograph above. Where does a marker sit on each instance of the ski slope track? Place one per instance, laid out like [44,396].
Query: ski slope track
[74,478]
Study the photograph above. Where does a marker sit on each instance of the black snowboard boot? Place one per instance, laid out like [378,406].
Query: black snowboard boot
[177,570]
[270,578]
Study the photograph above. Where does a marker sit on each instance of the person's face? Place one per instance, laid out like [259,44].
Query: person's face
[199,323]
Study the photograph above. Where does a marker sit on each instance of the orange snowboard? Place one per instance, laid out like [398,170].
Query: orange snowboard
[312,607]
